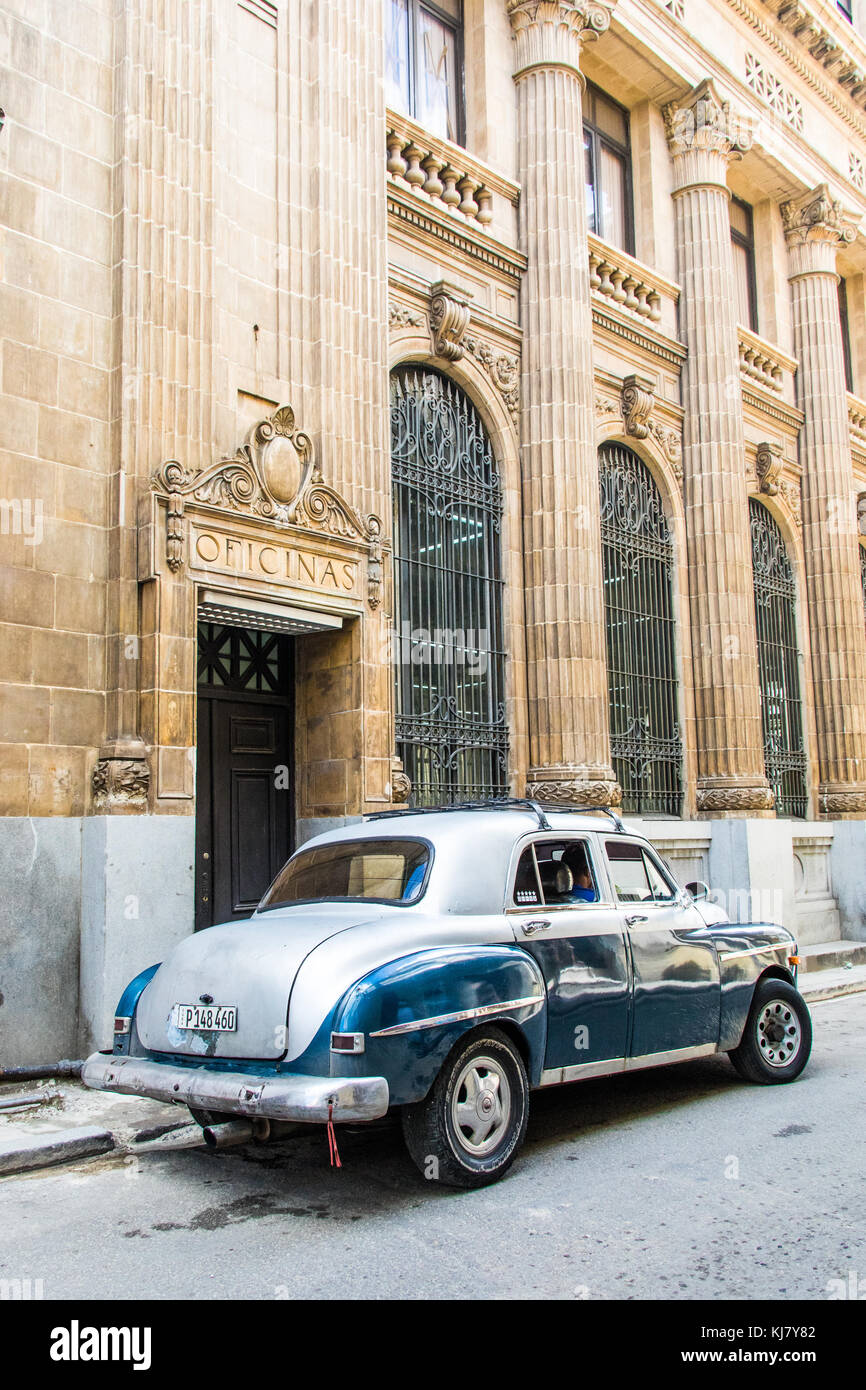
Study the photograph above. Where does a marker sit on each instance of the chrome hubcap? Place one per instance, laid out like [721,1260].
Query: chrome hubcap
[481,1105]
[779,1034]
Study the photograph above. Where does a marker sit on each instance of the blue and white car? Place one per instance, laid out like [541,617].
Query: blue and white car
[443,964]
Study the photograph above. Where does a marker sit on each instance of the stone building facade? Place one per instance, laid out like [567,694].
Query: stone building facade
[422,400]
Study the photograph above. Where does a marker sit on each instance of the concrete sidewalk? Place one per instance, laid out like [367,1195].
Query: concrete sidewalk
[75,1123]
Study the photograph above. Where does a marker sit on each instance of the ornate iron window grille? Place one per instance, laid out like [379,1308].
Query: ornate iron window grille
[448,644]
[778,664]
[637,559]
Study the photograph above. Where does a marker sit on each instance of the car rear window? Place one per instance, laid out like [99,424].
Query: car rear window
[391,871]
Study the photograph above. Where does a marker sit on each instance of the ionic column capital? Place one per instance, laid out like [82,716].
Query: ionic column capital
[551,33]
[704,134]
[815,227]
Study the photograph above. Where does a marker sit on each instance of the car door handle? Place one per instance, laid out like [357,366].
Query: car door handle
[631,921]
[537,924]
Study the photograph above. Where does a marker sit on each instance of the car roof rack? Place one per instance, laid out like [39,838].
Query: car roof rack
[591,811]
[505,803]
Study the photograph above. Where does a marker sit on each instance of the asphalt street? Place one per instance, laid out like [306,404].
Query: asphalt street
[680,1183]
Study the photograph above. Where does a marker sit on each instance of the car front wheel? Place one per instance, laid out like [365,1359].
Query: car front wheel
[468,1130]
[777,1038]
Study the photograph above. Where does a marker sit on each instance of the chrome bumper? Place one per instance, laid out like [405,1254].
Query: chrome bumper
[287,1097]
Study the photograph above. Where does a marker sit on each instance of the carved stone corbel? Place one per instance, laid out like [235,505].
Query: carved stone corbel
[121,779]
[401,787]
[768,466]
[449,319]
[637,400]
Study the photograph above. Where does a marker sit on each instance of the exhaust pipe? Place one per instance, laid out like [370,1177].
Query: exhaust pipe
[184,1137]
[236,1132]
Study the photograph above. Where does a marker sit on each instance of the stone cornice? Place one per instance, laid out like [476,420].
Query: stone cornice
[472,243]
[775,39]
[656,344]
[550,33]
[788,415]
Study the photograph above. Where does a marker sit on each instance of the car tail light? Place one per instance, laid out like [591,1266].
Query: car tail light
[347,1042]
[793,960]
[122,1025]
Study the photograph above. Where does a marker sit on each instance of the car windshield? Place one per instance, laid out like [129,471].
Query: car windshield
[391,871]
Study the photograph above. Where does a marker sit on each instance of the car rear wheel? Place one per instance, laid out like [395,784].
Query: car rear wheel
[777,1038]
[468,1130]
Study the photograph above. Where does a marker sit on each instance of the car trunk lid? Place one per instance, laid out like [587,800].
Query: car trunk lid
[248,965]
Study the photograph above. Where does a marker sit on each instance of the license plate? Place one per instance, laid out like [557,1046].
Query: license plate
[210,1018]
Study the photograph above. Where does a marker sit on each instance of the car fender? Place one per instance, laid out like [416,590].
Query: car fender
[413,1010]
[124,1043]
[746,953]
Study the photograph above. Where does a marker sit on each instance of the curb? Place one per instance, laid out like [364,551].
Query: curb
[814,993]
[20,1154]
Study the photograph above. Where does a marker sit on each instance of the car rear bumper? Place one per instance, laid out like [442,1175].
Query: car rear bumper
[279,1097]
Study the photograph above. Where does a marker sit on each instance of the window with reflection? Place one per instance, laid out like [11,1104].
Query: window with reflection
[743,249]
[607,156]
[842,291]
[424,63]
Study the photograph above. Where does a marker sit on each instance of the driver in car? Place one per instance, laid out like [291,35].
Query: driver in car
[583,888]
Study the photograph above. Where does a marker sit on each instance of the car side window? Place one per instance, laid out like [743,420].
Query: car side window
[628,871]
[527,889]
[662,889]
[555,873]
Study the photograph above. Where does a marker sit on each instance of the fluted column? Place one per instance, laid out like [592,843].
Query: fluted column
[567,677]
[814,229]
[703,139]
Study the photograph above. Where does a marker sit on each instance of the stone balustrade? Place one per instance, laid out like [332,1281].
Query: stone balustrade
[766,365]
[623,282]
[857,422]
[444,175]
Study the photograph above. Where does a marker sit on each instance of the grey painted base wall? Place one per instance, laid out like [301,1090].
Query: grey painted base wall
[85,905]
[137,902]
[40,893]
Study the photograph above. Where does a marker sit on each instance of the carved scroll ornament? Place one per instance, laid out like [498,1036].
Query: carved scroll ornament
[274,476]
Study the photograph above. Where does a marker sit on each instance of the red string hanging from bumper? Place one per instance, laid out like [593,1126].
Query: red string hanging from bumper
[332,1140]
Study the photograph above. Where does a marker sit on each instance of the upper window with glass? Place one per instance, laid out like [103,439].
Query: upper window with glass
[608,169]
[743,249]
[424,63]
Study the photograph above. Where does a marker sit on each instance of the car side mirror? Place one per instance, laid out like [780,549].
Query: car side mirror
[698,889]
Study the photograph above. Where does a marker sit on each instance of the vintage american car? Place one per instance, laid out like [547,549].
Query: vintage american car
[441,964]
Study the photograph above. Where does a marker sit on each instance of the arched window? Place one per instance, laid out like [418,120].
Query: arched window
[778,664]
[448,645]
[638,555]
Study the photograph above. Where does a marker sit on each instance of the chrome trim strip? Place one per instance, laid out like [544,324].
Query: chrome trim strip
[756,950]
[462,1014]
[283,1096]
[677,1054]
[557,1076]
